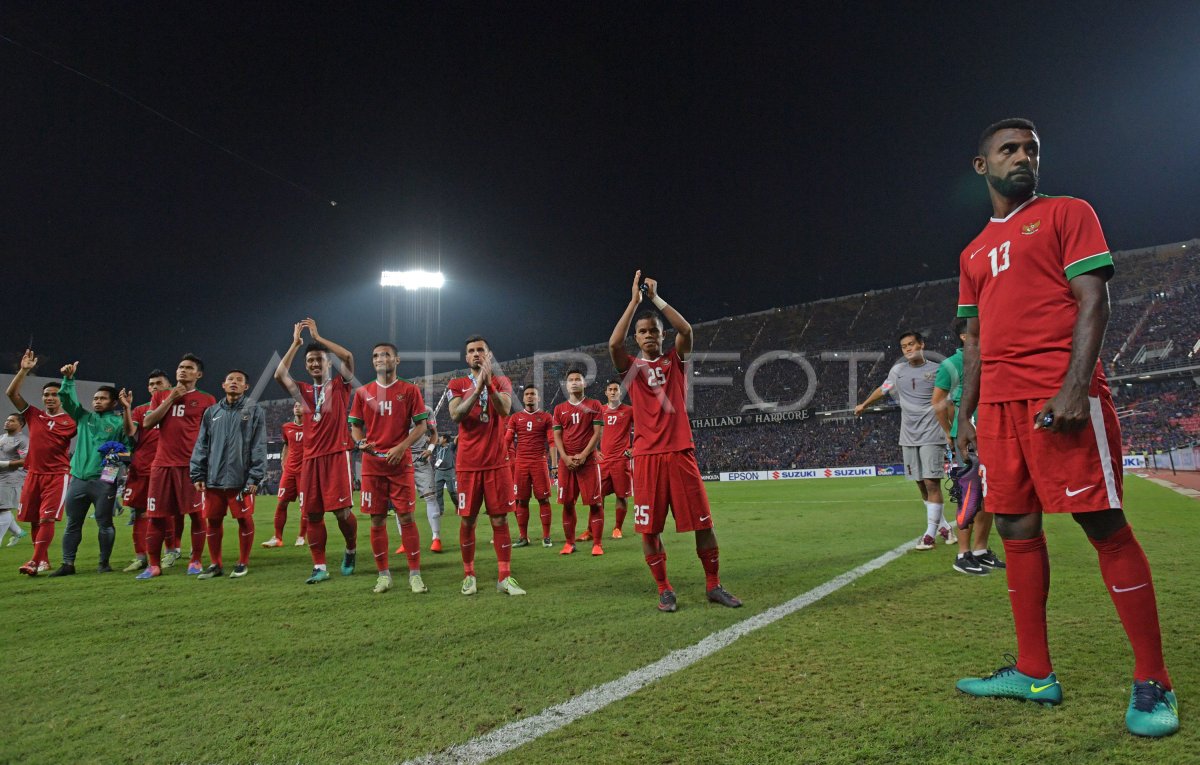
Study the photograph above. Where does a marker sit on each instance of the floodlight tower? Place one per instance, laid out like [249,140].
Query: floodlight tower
[411,281]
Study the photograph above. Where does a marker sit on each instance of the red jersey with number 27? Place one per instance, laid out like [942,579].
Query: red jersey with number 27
[177,431]
[658,391]
[481,444]
[1015,276]
[532,432]
[49,441]
[617,426]
[293,436]
[577,423]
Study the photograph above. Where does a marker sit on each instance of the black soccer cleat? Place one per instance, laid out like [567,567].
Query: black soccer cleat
[666,601]
[720,595]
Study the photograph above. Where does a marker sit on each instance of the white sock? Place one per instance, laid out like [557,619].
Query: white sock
[933,518]
[435,518]
[319,567]
[979,552]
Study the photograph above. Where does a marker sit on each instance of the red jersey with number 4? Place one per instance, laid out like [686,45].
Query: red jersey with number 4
[658,392]
[49,441]
[177,431]
[147,442]
[330,434]
[1015,276]
[532,433]
[618,424]
[293,436]
[387,413]
[576,422]
[481,444]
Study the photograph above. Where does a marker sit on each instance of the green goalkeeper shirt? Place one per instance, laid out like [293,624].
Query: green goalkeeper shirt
[94,430]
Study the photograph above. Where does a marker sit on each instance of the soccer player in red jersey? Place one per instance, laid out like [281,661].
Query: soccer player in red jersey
[326,476]
[137,480]
[228,463]
[47,463]
[666,477]
[177,413]
[291,458]
[1034,291]
[527,437]
[616,452]
[388,415]
[480,403]
[577,427]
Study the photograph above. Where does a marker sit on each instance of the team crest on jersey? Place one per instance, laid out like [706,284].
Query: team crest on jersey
[1031,228]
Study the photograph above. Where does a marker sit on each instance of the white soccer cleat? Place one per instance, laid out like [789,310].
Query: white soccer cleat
[509,586]
[416,583]
[382,584]
[468,586]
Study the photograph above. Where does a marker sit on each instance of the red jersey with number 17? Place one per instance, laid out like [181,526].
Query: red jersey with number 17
[177,431]
[387,413]
[293,436]
[658,391]
[532,431]
[1015,276]
[577,423]
[330,434]
[49,441]
[618,424]
[481,444]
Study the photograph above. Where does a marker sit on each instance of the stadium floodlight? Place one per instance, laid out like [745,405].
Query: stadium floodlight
[413,280]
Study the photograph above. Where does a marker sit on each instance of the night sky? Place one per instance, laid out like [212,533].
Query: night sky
[747,155]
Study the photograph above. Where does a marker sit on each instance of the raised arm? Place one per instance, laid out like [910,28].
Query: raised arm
[343,355]
[158,413]
[683,330]
[616,342]
[283,374]
[126,399]
[28,362]
[66,392]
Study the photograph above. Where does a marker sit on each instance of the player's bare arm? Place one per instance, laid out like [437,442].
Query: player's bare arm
[871,399]
[460,406]
[359,436]
[561,451]
[943,407]
[28,362]
[343,355]
[487,378]
[970,392]
[283,374]
[397,452]
[591,445]
[683,330]
[616,342]
[158,413]
[126,399]
[1069,407]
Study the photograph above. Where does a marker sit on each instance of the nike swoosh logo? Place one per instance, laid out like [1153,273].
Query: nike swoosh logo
[369,398]
[1130,589]
[505,547]
[216,417]
[705,518]
[342,499]
[973,254]
[1039,688]
[1078,491]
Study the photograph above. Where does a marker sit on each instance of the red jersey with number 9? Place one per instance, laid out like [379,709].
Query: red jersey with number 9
[1015,276]
[532,431]
[658,391]
[177,431]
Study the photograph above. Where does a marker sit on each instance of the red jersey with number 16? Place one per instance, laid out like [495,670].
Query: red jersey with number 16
[177,431]
[658,391]
[1015,276]
[293,436]
[49,441]
[330,434]
[618,423]
[481,444]
[577,423]
[532,431]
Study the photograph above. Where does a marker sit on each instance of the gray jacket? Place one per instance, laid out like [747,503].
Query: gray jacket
[231,450]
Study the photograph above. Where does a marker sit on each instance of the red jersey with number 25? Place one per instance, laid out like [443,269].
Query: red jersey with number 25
[532,431]
[330,434]
[658,391]
[577,423]
[49,441]
[617,425]
[1015,276]
[481,444]
[293,436]
[387,413]
[177,431]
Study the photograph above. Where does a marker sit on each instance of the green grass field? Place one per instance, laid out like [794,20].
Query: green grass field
[265,669]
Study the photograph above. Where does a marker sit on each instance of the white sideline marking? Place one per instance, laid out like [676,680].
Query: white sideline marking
[516,734]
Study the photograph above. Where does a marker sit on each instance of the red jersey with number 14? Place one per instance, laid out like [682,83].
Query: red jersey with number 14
[387,413]
[177,431]
[658,391]
[577,421]
[49,441]
[618,423]
[1015,276]
[481,444]
[330,434]
[532,431]
[293,436]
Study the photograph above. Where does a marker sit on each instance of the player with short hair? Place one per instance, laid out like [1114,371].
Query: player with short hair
[974,560]
[14,446]
[480,404]
[387,417]
[47,463]
[326,475]
[666,477]
[1034,291]
[528,436]
[228,464]
[177,413]
[291,458]
[577,426]
[910,383]
[616,453]
[137,479]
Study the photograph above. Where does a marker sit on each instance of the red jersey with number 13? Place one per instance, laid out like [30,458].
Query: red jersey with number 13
[658,391]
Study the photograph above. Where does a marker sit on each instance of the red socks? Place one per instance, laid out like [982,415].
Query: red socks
[43,536]
[412,544]
[544,507]
[349,528]
[710,559]
[502,541]
[523,518]
[466,544]
[245,539]
[1028,587]
[379,547]
[215,534]
[281,519]
[1126,574]
[158,530]
[317,536]
[568,512]
[596,523]
[199,534]
[141,525]
[621,508]
[658,570]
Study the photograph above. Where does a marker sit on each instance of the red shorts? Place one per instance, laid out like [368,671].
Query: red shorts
[326,483]
[42,497]
[137,490]
[533,479]
[218,501]
[494,489]
[287,486]
[616,477]
[172,493]
[669,481]
[380,491]
[1028,471]
[579,485]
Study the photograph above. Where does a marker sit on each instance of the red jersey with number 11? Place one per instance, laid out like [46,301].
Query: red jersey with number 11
[577,423]
[658,391]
